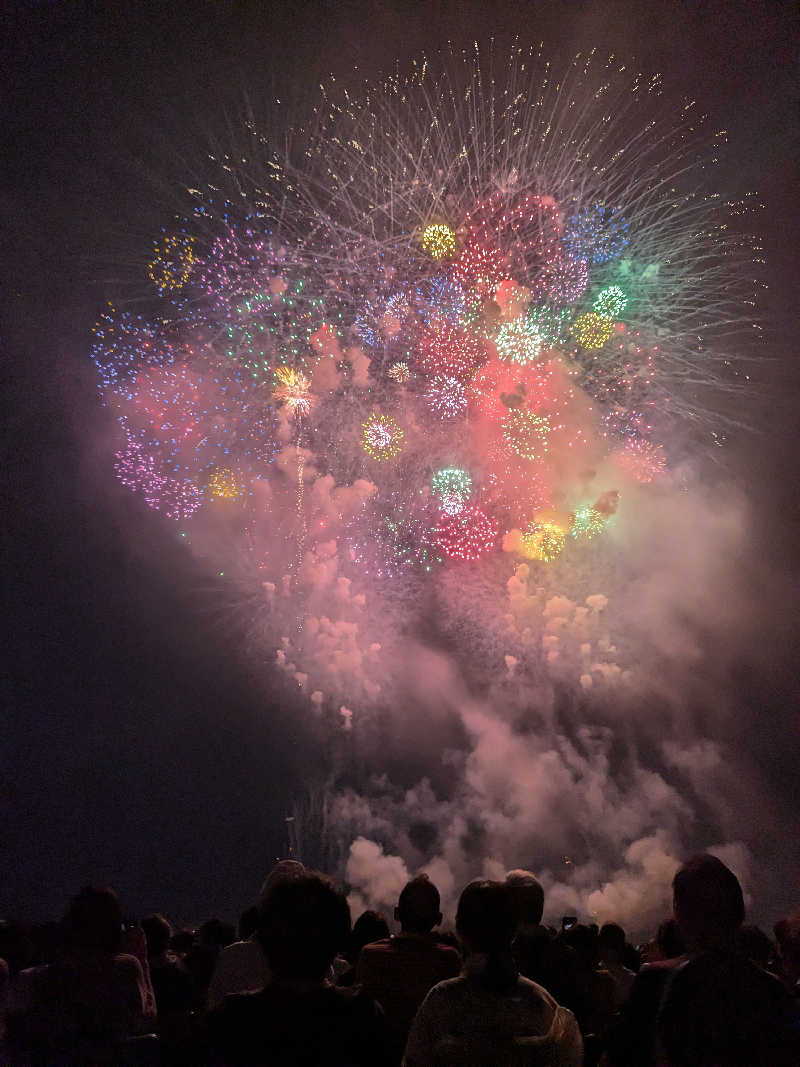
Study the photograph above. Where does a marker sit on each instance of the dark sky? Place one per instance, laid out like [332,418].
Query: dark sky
[139,749]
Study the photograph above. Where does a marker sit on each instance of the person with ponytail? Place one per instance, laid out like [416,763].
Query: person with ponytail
[490,1015]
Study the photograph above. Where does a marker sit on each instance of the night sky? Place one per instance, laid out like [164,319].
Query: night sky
[141,749]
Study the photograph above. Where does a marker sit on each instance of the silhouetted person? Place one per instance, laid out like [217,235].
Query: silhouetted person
[787,935]
[490,1014]
[709,1006]
[398,971]
[594,1003]
[669,941]
[370,926]
[549,962]
[94,996]
[720,1009]
[248,923]
[242,964]
[213,937]
[172,984]
[611,946]
[298,1018]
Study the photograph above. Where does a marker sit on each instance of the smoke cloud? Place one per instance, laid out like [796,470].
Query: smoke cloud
[579,725]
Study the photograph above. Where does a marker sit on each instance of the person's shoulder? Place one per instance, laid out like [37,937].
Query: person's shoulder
[445,951]
[662,967]
[127,965]
[351,999]
[533,991]
[234,1005]
[450,987]
[379,948]
[238,949]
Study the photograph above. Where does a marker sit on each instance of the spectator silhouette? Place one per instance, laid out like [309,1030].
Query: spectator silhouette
[172,984]
[719,1008]
[490,1014]
[611,945]
[594,1001]
[81,1007]
[787,935]
[544,959]
[669,941]
[213,936]
[248,923]
[298,1018]
[370,926]
[710,1005]
[242,965]
[398,971]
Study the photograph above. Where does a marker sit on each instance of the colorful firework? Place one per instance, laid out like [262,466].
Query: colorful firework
[502,323]
[382,437]
[592,331]
[452,486]
[610,302]
[587,522]
[172,262]
[526,434]
[391,536]
[439,241]
[446,396]
[224,485]
[641,458]
[543,541]
[518,341]
[293,391]
[143,473]
[467,535]
[399,372]
[450,351]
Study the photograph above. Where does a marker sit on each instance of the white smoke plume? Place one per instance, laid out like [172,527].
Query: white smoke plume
[573,735]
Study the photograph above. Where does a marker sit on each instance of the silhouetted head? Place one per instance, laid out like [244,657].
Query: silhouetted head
[417,908]
[369,926]
[527,896]
[304,921]
[94,920]
[708,902]
[282,870]
[216,933]
[584,941]
[158,932]
[669,940]
[485,918]
[611,943]
[486,923]
[248,922]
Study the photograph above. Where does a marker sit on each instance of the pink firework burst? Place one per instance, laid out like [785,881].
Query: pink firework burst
[450,350]
[468,535]
[641,458]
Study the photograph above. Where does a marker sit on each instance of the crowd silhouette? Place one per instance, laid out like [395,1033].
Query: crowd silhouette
[297,984]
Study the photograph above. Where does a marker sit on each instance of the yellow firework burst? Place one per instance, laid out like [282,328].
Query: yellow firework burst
[293,390]
[224,485]
[172,262]
[439,241]
[592,330]
[543,540]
